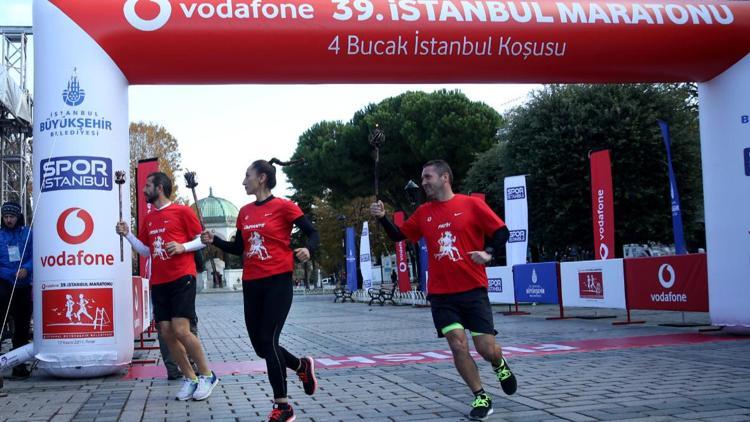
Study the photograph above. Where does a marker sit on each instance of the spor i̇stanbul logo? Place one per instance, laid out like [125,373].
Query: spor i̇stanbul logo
[165,11]
[73,95]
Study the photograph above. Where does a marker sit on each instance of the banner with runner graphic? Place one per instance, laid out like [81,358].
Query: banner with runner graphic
[667,283]
[78,312]
[536,282]
[402,259]
[517,219]
[500,284]
[602,205]
[365,259]
[593,284]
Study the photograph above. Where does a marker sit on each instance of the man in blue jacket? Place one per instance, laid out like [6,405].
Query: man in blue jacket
[16,267]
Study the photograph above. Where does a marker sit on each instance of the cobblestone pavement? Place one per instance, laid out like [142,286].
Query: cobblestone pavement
[707,380]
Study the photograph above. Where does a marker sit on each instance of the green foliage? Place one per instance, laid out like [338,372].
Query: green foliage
[549,139]
[337,178]
[418,127]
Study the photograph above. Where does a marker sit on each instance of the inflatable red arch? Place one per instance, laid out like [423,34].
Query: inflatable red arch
[88,51]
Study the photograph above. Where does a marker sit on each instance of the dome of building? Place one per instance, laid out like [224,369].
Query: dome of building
[218,212]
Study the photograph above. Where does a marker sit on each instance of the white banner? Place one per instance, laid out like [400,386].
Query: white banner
[501,285]
[725,154]
[517,220]
[365,260]
[83,309]
[593,284]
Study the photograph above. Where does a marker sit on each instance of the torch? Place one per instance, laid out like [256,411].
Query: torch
[376,138]
[191,184]
[120,180]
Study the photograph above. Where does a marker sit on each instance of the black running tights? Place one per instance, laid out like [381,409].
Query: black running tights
[267,302]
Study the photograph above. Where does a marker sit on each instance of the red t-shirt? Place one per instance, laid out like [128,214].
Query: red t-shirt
[266,231]
[173,223]
[451,230]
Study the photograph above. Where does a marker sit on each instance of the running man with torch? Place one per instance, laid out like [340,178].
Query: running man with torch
[170,234]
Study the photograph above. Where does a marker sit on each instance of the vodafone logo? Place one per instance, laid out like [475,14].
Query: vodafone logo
[84,235]
[666,276]
[165,11]
[603,251]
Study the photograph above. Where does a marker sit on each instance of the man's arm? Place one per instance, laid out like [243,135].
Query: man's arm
[497,241]
[137,245]
[393,232]
[377,210]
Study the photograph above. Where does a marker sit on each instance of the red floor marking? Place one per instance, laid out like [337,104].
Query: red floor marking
[336,362]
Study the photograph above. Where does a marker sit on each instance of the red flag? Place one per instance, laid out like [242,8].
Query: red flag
[602,201]
[145,167]
[401,259]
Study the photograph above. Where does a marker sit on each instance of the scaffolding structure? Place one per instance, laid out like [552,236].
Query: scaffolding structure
[15,117]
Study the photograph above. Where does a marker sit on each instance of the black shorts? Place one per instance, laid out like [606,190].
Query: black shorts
[471,309]
[175,299]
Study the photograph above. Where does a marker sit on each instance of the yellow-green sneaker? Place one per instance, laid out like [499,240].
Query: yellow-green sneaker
[481,407]
[506,377]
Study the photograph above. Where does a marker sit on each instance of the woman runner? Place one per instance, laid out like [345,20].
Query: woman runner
[263,236]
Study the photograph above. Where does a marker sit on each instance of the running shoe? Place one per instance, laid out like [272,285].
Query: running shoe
[506,377]
[206,384]
[481,407]
[187,390]
[279,414]
[306,375]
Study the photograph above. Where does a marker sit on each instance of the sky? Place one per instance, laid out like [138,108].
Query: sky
[221,129]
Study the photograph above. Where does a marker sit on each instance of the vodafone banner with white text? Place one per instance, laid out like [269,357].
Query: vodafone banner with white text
[602,204]
[402,260]
[517,220]
[83,291]
[593,284]
[501,288]
[667,283]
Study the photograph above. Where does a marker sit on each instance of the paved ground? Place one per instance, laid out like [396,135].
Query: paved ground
[707,380]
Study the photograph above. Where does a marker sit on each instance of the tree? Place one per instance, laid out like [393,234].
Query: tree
[149,140]
[335,185]
[549,139]
[486,176]
[418,127]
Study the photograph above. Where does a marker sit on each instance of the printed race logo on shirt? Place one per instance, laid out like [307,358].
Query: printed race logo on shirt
[256,247]
[446,242]
[159,249]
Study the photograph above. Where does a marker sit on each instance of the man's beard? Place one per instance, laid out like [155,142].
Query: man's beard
[151,198]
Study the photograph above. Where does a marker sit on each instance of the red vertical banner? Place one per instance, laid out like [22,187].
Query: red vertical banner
[602,204]
[145,167]
[402,262]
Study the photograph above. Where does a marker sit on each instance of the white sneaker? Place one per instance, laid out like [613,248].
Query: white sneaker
[187,390]
[206,384]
